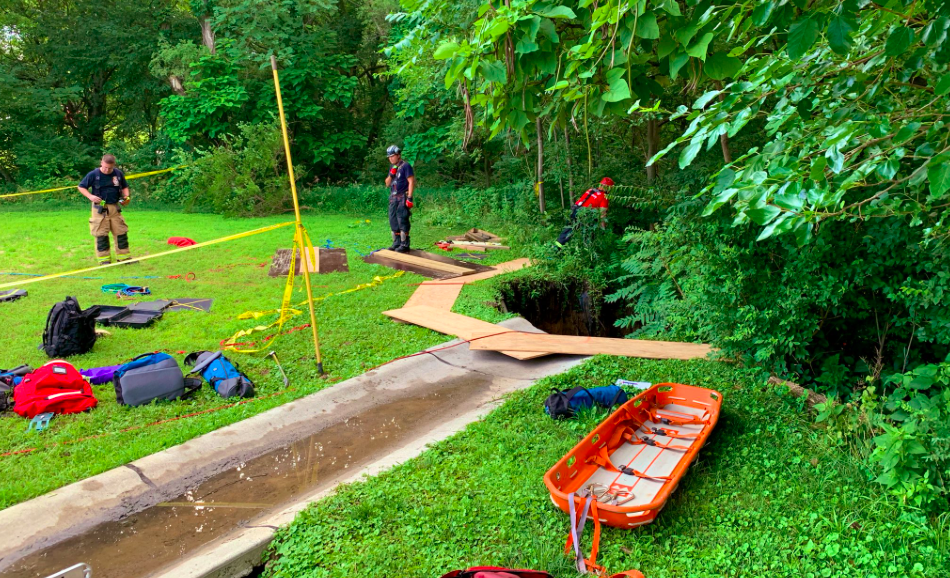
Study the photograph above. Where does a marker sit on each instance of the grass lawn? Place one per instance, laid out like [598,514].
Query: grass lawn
[354,335]
[770,495]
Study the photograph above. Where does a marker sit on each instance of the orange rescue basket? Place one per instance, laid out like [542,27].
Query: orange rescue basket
[635,458]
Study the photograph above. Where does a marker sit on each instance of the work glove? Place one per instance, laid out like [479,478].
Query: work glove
[124,201]
[409,203]
[392,171]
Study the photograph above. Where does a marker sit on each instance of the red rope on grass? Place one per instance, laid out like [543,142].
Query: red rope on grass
[242,402]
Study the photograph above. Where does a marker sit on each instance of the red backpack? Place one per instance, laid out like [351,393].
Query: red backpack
[56,387]
[494,572]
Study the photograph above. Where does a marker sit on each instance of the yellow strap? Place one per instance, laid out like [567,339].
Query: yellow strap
[288,312]
[128,178]
[143,258]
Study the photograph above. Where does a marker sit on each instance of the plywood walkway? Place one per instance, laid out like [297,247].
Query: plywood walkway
[431,304]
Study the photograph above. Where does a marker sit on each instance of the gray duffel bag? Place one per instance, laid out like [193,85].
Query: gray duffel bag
[151,376]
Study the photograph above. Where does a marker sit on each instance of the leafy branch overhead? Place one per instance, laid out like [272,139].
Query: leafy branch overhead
[525,59]
[855,102]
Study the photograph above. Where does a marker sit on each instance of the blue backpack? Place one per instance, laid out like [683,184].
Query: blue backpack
[565,403]
[224,377]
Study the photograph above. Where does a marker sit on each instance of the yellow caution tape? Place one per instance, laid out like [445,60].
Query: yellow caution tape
[162,254]
[128,178]
[287,311]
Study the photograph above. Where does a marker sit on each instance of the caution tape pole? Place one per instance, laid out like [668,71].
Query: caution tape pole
[301,233]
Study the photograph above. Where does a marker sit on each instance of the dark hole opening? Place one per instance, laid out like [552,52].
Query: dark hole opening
[570,307]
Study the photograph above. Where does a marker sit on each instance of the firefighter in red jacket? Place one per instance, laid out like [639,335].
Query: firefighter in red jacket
[595,198]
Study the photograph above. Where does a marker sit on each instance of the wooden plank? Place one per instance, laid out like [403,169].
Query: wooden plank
[485,246]
[579,345]
[422,262]
[436,296]
[498,270]
[454,324]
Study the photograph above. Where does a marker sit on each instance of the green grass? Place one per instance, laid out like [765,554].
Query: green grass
[770,495]
[354,335]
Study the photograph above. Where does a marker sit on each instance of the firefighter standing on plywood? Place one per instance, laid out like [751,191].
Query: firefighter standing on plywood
[402,183]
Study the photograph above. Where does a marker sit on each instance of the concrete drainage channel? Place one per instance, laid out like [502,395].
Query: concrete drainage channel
[209,507]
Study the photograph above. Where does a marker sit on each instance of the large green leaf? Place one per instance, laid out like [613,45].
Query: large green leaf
[689,153]
[493,71]
[763,215]
[703,100]
[817,172]
[671,7]
[720,65]
[839,34]
[698,49]
[555,12]
[647,27]
[802,36]
[676,63]
[762,12]
[942,86]
[549,31]
[619,89]
[667,45]
[899,41]
[938,173]
[685,33]
[446,50]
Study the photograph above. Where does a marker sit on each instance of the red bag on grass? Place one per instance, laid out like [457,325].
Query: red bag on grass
[181,241]
[56,387]
[494,572]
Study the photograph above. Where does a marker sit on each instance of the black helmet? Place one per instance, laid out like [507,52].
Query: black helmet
[393,150]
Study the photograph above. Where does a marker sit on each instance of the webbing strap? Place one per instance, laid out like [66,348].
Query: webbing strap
[602,460]
[670,433]
[676,420]
[656,444]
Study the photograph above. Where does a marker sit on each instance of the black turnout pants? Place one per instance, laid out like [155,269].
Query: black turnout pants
[398,214]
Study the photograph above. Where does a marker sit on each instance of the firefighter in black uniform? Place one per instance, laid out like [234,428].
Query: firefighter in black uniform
[401,182]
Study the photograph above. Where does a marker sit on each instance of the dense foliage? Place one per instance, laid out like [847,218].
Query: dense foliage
[784,165]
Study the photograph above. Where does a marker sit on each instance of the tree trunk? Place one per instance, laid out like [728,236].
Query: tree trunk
[540,164]
[567,154]
[723,138]
[207,34]
[176,84]
[653,146]
[724,141]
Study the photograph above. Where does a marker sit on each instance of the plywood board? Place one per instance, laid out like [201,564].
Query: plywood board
[517,341]
[423,262]
[477,246]
[436,296]
[455,324]
[498,270]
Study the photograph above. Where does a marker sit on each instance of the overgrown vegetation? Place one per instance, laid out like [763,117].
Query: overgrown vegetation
[770,495]
[784,166]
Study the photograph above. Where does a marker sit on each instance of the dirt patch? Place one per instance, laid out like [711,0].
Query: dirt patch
[564,308]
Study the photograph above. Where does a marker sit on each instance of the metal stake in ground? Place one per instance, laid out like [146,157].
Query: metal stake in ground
[274,355]
[301,232]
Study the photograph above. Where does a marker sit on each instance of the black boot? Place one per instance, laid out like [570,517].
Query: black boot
[403,246]
[397,242]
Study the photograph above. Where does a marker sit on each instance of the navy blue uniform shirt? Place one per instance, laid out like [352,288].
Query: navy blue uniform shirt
[109,188]
[400,183]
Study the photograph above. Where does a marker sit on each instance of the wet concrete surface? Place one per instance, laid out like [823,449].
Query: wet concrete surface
[142,543]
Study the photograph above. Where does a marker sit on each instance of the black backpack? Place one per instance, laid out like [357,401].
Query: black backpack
[558,404]
[7,379]
[69,329]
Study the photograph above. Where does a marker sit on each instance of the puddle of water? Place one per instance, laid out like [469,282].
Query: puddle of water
[145,542]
